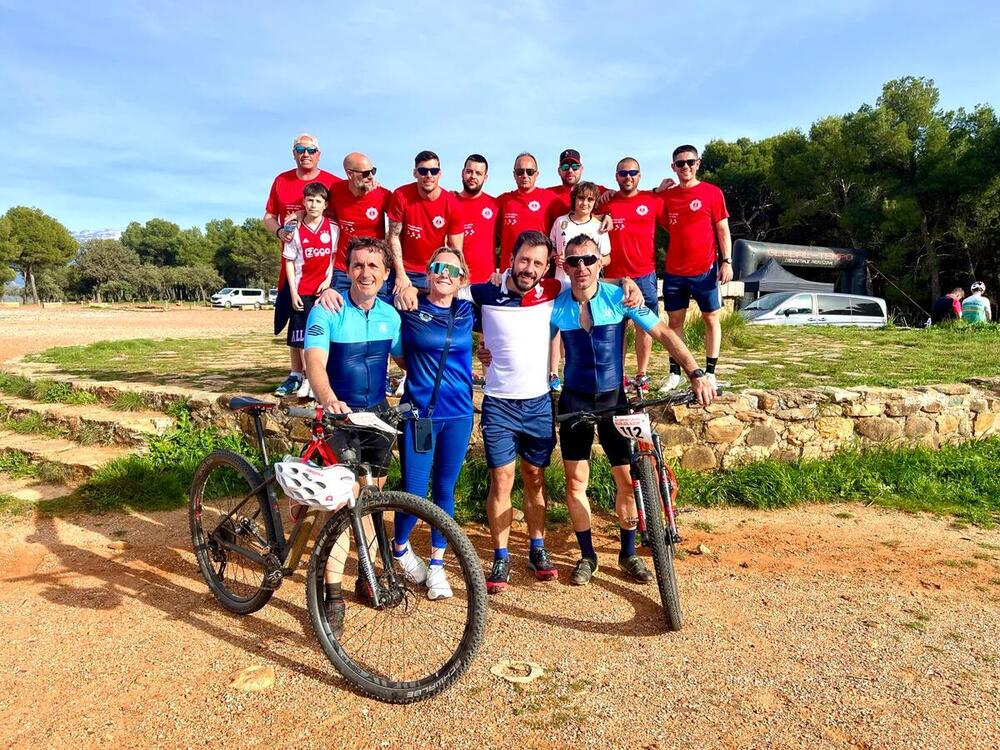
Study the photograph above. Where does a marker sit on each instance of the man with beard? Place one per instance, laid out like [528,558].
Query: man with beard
[422,218]
[526,208]
[478,213]
[570,175]
[358,205]
[283,203]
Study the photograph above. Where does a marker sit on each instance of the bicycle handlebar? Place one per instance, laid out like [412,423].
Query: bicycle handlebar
[675,399]
[393,412]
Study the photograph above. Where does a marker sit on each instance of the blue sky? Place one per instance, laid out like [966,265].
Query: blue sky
[119,111]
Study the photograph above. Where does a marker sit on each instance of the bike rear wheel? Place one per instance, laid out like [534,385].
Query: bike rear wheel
[662,547]
[220,484]
[410,648]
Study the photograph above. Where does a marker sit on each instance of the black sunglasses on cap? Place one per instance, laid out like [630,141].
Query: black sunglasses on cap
[575,261]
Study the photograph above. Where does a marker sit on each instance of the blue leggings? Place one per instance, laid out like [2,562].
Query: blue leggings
[447,454]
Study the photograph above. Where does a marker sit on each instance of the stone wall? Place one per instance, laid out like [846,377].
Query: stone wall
[751,425]
[812,423]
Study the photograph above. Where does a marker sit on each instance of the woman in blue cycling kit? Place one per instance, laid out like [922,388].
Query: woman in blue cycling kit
[437,354]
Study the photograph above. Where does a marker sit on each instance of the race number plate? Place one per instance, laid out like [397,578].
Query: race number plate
[634,426]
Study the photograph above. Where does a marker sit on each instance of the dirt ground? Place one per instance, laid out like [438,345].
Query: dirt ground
[818,627]
[804,628]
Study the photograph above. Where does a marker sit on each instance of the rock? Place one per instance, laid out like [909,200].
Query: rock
[723,430]
[933,407]
[985,421]
[835,428]
[699,458]
[761,436]
[866,409]
[918,427]
[878,428]
[906,407]
[798,414]
[977,405]
[119,546]
[953,389]
[517,671]
[766,401]
[517,514]
[947,424]
[253,679]
[677,435]
[701,549]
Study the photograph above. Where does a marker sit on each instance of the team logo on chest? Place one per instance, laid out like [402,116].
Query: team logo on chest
[371,213]
[438,222]
[487,213]
[324,238]
[642,209]
[694,205]
[534,205]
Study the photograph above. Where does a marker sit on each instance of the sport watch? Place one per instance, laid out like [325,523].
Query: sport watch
[696,373]
[727,260]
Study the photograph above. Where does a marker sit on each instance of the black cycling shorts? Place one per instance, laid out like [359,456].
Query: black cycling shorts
[577,438]
[372,448]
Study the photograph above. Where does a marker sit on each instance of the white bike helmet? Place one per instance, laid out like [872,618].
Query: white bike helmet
[326,487]
[978,286]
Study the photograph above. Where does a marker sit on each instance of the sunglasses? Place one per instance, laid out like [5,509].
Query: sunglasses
[685,163]
[300,149]
[575,261]
[424,171]
[567,166]
[365,173]
[628,172]
[439,267]
[523,171]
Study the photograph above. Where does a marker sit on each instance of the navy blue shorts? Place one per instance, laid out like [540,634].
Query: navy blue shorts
[678,291]
[576,439]
[297,323]
[282,308]
[341,282]
[517,427]
[647,285]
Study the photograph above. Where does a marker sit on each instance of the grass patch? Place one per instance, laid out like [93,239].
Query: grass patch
[14,506]
[47,391]
[32,423]
[703,526]
[129,401]
[17,464]
[843,514]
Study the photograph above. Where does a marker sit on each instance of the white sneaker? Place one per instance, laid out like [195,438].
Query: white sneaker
[671,383]
[399,386]
[437,583]
[413,567]
[305,389]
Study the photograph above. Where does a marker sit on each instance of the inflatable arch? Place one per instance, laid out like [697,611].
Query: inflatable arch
[852,263]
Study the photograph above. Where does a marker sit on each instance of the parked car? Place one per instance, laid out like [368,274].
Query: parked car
[816,308]
[272,296]
[239,297]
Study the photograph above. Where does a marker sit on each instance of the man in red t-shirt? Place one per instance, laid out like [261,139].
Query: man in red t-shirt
[422,218]
[699,257]
[478,213]
[570,174]
[358,205]
[526,208]
[634,215]
[283,202]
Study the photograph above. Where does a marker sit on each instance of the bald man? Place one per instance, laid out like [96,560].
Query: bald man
[358,205]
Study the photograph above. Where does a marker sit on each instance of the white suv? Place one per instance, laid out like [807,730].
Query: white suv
[239,297]
[816,308]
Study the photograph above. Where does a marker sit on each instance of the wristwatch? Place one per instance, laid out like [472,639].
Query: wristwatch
[727,260]
[696,373]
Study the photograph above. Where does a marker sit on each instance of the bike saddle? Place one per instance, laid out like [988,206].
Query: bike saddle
[248,403]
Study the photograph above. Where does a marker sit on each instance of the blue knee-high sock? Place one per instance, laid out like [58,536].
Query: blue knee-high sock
[628,542]
[586,542]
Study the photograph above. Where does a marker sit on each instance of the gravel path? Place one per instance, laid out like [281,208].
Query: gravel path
[803,629]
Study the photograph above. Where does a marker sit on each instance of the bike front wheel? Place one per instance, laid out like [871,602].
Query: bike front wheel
[231,530]
[409,647]
[662,547]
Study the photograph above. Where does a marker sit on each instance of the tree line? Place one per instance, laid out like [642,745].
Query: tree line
[915,185]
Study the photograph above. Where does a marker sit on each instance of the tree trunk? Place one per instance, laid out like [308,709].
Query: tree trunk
[932,258]
[34,289]
[97,291]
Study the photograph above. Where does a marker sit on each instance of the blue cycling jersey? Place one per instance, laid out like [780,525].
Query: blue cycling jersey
[423,334]
[359,344]
[594,358]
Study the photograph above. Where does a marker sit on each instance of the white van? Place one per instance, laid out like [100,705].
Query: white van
[816,308]
[239,297]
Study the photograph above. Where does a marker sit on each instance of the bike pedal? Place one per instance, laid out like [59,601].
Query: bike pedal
[274,575]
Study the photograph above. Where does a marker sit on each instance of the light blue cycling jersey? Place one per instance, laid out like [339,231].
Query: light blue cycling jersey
[594,359]
[359,343]
[975,309]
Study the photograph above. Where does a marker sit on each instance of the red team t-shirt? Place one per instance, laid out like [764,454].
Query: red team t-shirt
[690,216]
[311,251]
[285,199]
[633,252]
[357,217]
[520,212]
[479,219]
[426,224]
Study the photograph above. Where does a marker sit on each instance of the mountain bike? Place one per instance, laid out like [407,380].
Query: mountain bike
[395,644]
[654,485]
